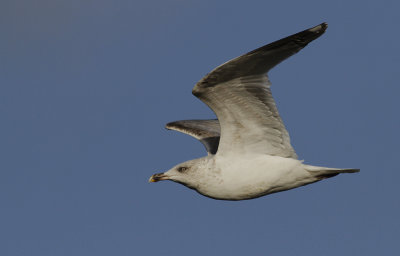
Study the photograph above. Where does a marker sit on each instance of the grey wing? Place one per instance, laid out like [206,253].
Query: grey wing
[206,131]
[239,93]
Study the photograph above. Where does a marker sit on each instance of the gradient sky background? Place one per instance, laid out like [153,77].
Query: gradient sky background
[86,88]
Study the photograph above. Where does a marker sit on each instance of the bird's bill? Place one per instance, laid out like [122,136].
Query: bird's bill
[157,177]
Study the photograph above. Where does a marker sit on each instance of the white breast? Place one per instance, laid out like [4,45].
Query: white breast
[249,176]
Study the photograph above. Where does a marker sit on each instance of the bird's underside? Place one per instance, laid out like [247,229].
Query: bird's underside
[249,150]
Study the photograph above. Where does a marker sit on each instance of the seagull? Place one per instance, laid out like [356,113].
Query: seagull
[249,150]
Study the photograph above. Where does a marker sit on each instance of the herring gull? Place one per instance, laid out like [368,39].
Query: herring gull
[249,150]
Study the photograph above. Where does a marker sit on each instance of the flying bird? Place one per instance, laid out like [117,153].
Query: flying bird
[249,150]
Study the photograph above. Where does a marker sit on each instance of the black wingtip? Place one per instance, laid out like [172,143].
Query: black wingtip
[260,60]
[319,29]
[171,125]
[310,34]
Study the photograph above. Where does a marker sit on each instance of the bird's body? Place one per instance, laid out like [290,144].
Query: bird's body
[249,150]
[250,176]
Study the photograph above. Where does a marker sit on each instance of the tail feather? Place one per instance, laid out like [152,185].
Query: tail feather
[325,172]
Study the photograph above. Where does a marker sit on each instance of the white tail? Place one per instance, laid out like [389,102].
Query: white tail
[325,172]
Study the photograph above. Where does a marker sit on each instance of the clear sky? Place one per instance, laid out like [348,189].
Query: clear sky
[86,88]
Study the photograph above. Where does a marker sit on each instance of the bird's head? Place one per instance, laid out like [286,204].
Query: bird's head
[186,173]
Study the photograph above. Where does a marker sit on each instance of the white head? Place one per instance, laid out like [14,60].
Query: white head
[189,173]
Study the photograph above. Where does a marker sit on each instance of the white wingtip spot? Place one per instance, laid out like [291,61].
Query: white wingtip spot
[321,27]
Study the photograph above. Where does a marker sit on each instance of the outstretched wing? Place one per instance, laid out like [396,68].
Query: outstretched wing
[206,131]
[239,94]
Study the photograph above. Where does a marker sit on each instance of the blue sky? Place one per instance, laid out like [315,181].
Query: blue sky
[86,88]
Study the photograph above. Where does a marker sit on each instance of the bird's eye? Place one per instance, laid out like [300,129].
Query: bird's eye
[182,169]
